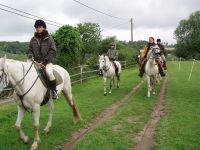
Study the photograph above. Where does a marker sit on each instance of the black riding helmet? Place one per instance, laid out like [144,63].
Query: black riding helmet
[158,40]
[39,23]
[112,44]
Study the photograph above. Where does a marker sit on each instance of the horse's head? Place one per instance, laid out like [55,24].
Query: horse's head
[3,74]
[103,60]
[152,52]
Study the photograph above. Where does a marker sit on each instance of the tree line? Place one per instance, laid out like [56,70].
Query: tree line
[187,35]
[80,45]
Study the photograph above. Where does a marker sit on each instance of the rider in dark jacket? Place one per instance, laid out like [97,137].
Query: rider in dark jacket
[143,59]
[113,56]
[43,50]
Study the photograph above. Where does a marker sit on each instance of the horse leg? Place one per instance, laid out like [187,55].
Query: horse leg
[118,80]
[111,80]
[36,113]
[69,98]
[104,86]
[20,117]
[49,123]
[114,84]
[153,85]
[149,86]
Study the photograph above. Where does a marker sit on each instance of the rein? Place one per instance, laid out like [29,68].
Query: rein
[24,75]
[22,96]
[18,82]
[2,77]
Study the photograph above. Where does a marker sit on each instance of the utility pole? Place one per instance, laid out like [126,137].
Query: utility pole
[131,30]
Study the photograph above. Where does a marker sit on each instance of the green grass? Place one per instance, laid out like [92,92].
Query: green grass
[179,129]
[90,101]
[118,132]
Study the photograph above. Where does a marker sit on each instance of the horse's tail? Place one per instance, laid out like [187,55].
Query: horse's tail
[67,92]
[77,115]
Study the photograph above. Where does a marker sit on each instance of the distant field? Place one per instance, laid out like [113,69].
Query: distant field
[21,57]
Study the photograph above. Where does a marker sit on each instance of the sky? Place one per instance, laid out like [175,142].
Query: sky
[157,18]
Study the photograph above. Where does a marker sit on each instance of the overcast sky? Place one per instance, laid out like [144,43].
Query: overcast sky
[157,18]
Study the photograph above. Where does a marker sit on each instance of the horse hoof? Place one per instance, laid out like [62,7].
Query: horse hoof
[46,131]
[154,93]
[105,94]
[33,147]
[26,140]
[117,86]
[110,92]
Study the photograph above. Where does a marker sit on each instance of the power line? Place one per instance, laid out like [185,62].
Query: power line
[120,24]
[100,11]
[30,14]
[26,16]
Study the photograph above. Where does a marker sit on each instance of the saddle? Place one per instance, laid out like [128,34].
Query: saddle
[46,82]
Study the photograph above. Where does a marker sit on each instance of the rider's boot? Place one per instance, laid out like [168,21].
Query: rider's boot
[164,65]
[160,68]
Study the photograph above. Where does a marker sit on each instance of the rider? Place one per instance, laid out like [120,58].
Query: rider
[42,49]
[162,52]
[143,58]
[113,56]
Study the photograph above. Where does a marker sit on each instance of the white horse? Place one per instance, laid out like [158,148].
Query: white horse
[108,70]
[24,79]
[151,70]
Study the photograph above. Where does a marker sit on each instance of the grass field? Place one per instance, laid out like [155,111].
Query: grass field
[118,133]
[90,100]
[179,129]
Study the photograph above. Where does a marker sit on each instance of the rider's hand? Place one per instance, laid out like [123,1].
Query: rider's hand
[41,65]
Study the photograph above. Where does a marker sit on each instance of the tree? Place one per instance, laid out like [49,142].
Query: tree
[91,37]
[69,46]
[105,44]
[187,35]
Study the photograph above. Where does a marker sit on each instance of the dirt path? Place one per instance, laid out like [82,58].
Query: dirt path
[144,140]
[108,113]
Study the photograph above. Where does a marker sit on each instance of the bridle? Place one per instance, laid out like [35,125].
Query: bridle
[106,67]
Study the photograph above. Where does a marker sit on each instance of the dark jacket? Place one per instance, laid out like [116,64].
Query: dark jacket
[162,49]
[112,54]
[42,48]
